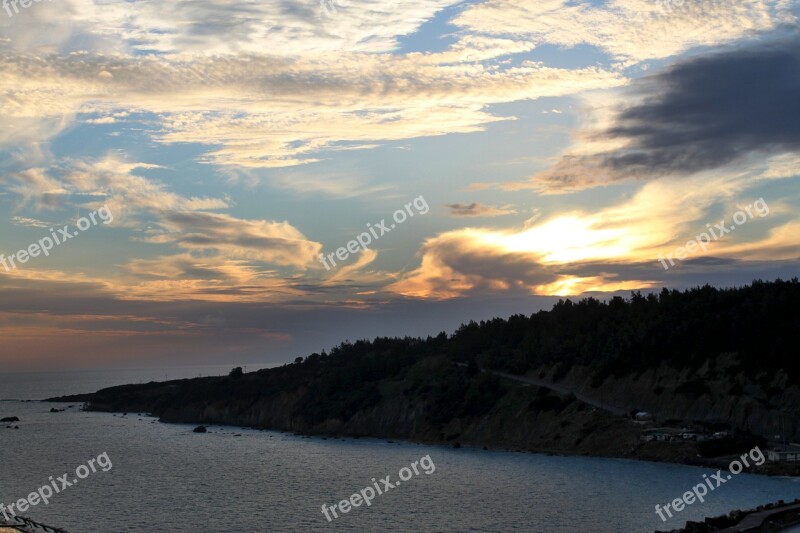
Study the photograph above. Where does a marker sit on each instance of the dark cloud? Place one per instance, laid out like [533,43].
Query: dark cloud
[715,110]
[700,114]
[478,210]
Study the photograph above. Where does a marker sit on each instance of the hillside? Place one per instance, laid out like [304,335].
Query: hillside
[707,357]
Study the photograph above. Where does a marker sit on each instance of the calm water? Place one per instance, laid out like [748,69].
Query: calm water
[166,478]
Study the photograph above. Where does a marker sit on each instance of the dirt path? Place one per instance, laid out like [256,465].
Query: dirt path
[563,390]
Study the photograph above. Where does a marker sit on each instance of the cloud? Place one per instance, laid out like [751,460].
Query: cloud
[101,120]
[702,114]
[353,272]
[217,278]
[333,184]
[476,209]
[604,250]
[259,240]
[482,262]
[475,48]
[59,324]
[630,30]
[268,111]
[215,27]
[141,203]
[783,166]
[36,187]
[31,222]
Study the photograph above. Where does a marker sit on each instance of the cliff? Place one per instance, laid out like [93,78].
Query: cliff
[706,357]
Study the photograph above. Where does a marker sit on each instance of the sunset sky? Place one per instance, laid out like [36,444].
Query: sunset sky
[560,146]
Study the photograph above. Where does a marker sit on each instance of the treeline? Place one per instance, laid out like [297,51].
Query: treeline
[684,329]
[759,324]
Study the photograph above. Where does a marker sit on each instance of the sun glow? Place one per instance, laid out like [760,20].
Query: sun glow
[567,239]
[571,286]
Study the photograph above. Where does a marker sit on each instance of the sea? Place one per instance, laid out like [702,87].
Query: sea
[132,473]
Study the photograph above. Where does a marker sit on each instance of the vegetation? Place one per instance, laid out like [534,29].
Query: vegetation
[447,378]
[683,329]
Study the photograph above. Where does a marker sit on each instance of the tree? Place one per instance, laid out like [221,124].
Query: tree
[236,373]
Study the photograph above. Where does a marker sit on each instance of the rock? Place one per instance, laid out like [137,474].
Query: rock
[9,419]
[200,429]
[54,410]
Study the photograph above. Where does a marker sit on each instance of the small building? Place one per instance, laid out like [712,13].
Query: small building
[661,435]
[783,455]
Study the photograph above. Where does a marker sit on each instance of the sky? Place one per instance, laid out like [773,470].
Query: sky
[180,181]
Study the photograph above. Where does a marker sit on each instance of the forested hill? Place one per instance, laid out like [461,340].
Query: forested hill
[704,354]
[759,324]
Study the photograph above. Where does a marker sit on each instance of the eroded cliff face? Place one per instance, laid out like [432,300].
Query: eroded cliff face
[763,404]
[564,426]
[516,416]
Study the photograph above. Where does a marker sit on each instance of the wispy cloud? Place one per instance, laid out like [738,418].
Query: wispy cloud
[314,105]
[476,209]
[31,222]
[630,30]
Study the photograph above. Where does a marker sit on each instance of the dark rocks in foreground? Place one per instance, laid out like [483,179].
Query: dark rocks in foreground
[9,419]
[775,516]
[200,429]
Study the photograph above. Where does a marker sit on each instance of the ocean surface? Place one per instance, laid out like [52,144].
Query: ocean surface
[165,478]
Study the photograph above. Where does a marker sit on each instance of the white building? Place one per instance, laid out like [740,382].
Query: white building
[783,455]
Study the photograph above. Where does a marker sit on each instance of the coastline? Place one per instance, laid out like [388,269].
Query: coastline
[683,453]
[471,451]
[772,517]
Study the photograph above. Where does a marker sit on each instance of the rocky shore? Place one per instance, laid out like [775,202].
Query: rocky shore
[22,524]
[771,517]
[525,418]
